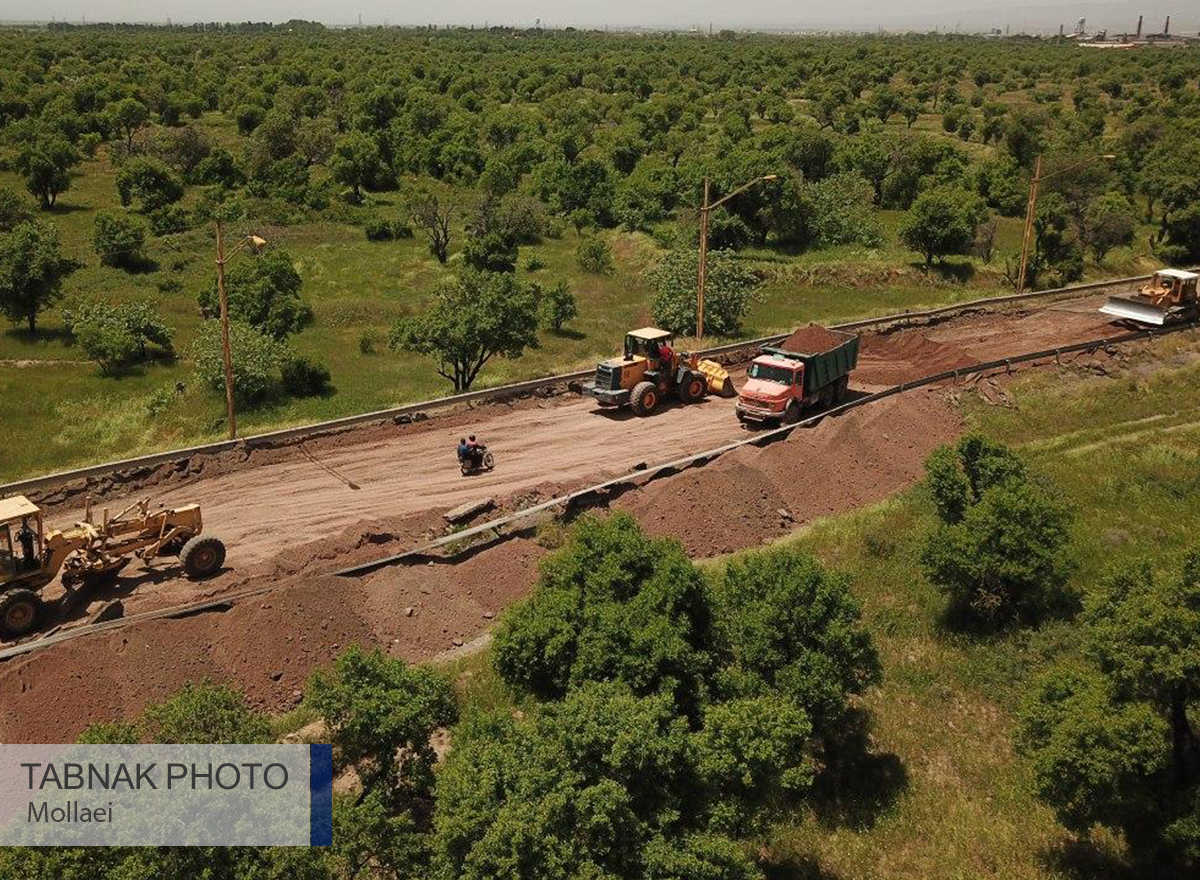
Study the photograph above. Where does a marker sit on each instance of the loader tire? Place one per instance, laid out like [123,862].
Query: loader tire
[644,398]
[202,557]
[791,415]
[692,388]
[20,613]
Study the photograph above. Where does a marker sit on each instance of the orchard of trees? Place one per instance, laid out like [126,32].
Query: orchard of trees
[494,139]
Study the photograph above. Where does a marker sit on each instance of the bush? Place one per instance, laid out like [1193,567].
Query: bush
[118,239]
[729,292]
[594,256]
[169,220]
[367,342]
[1003,550]
[534,263]
[115,336]
[304,377]
[256,360]
[12,210]
[108,342]
[840,210]
[379,229]
[147,185]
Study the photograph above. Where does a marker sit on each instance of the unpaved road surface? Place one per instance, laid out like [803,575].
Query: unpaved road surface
[362,495]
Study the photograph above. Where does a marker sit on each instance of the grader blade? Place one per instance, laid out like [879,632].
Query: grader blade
[1133,309]
[719,380]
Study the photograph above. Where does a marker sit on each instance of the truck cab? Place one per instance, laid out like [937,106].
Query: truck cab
[773,384]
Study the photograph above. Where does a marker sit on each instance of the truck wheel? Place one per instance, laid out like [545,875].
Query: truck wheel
[692,388]
[202,557]
[20,611]
[644,398]
[791,415]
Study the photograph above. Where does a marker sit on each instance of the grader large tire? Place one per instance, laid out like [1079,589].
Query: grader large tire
[692,388]
[644,398]
[20,612]
[202,557]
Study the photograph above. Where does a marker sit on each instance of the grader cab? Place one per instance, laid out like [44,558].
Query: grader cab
[90,554]
[650,370]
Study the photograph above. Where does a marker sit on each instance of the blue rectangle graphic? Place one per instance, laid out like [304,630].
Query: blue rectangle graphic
[320,786]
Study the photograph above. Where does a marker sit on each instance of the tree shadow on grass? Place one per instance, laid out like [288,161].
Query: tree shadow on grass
[60,208]
[857,785]
[960,272]
[568,333]
[1083,859]
[40,336]
[797,868]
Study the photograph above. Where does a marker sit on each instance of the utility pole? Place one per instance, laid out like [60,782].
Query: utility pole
[702,271]
[226,352]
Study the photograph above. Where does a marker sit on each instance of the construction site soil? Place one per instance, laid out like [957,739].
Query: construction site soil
[291,515]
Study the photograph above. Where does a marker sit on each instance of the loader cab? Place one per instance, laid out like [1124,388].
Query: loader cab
[22,539]
[645,342]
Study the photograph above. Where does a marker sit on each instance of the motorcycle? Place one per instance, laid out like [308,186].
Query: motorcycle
[478,462]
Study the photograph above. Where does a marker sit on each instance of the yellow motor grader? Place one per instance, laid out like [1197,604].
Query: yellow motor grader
[642,377]
[89,553]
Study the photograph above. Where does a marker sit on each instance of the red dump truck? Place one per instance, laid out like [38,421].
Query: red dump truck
[810,367]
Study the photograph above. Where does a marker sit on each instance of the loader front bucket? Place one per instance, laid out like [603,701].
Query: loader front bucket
[719,380]
[1132,309]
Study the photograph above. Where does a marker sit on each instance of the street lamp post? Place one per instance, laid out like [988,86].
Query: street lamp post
[254,243]
[702,276]
[1031,208]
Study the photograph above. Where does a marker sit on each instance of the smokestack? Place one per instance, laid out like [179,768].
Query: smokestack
[1060,30]
[1139,33]
[1167,27]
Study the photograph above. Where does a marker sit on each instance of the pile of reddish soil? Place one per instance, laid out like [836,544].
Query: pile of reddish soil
[903,356]
[813,339]
[754,495]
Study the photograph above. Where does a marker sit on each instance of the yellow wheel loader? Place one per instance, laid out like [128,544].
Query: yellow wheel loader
[1170,296]
[90,554]
[642,378]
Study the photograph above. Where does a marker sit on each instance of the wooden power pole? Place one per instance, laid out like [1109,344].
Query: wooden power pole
[703,271]
[1030,213]
[226,352]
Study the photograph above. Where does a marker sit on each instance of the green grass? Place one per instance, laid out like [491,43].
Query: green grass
[60,412]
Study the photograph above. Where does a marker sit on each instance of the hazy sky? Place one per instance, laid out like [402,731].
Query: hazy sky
[863,14]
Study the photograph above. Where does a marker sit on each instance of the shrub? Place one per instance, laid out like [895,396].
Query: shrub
[264,292]
[367,342]
[147,185]
[840,210]
[169,220]
[115,336]
[118,239]
[108,342]
[594,256]
[304,376]
[256,360]
[379,229]
[534,263]
[12,210]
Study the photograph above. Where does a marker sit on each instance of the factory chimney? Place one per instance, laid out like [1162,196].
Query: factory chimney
[1139,33]
[1167,27]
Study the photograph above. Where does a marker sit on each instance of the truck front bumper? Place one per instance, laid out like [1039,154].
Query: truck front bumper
[604,397]
[749,413]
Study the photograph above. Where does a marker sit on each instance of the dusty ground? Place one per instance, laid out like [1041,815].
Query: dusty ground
[298,512]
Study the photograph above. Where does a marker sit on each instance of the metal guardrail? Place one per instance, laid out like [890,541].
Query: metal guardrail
[629,479]
[286,435]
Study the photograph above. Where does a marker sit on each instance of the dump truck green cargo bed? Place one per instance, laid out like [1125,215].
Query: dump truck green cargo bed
[832,354]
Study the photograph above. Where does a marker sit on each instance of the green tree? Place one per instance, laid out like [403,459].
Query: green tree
[119,239]
[1109,222]
[127,116]
[941,222]
[106,340]
[356,163]
[381,715]
[611,605]
[474,318]
[12,210]
[147,185]
[204,713]
[46,164]
[263,292]
[729,292]
[1113,742]
[117,335]
[32,269]
[1002,551]
[556,305]
[839,210]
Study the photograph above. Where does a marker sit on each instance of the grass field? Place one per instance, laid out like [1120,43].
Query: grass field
[60,412]
[952,798]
